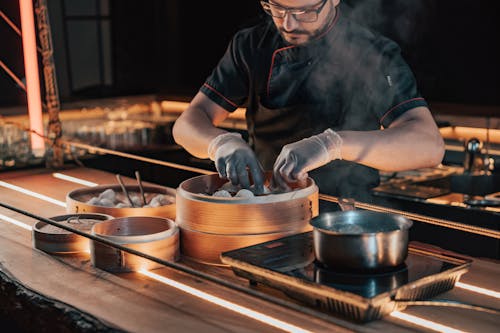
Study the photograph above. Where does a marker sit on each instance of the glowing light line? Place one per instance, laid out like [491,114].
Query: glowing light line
[31,74]
[33,194]
[225,304]
[74,179]
[478,290]
[15,222]
[424,323]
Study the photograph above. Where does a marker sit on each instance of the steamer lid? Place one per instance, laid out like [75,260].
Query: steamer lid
[52,239]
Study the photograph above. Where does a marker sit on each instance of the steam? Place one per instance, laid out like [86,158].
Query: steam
[404,21]
[353,71]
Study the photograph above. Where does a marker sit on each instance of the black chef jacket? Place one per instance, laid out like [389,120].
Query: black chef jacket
[348,78]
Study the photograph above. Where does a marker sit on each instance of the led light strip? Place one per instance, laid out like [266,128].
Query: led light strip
[424,323]
[15,222]
[478,290]
[33,194]
[74,179]
[225,304]
[32,76]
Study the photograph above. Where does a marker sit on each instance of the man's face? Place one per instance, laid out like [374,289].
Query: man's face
[295,26]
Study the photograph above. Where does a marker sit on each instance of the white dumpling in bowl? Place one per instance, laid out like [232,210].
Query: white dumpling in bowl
[93,201]
[106,203]
[228,186]
[244,193]
[159,200]
[137,200]
[222,194]
[108,194]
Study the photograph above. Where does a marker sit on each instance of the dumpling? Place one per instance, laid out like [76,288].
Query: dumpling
[244,193]
[137,200]
[106,203]
[222,194]
[93,201]
[230,187]
[108,194]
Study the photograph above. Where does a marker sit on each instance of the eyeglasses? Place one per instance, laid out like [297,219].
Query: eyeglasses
[300,14]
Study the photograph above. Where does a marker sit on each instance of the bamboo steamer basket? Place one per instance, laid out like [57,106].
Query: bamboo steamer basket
[206,248]
[54,240]
[76,201]
[155,236]
[212,225]
[199,211]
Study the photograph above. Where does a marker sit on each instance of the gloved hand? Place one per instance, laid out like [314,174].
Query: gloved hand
[232,155]
[297,158]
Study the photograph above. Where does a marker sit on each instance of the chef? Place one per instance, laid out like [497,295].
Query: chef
[325,98]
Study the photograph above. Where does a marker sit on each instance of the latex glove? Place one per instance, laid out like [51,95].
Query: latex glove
[232,156]
[296,159]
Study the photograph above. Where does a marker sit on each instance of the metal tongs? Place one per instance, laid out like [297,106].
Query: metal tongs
[124,189]
[139,182]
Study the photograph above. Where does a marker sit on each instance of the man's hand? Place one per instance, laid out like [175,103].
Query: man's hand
[232,157]
[297,158]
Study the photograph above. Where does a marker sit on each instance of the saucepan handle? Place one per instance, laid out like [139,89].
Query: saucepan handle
[347,204]
[450,303]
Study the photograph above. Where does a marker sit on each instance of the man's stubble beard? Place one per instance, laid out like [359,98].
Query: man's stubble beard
[310,34]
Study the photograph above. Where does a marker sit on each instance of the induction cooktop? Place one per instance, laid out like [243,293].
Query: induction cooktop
[288,264]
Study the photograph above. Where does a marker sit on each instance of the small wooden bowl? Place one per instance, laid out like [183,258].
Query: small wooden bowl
[51,239]
[274,213]
[206,247]
[155,236]
[76,201]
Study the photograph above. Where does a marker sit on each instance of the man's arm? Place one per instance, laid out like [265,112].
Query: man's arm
[196,127]
[412,141]
[196,130]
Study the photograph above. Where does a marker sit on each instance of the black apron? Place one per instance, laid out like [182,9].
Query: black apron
[289,109]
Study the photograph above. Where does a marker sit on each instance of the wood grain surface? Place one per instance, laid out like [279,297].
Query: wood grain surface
[136,303]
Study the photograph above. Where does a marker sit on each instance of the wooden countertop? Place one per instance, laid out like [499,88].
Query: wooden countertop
[138,303]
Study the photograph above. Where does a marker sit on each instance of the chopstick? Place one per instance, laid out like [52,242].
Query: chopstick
[138,177]
[124,189]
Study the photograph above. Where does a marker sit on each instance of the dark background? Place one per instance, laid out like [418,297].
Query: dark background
[169,47]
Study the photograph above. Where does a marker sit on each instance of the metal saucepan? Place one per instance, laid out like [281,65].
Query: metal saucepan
[367,241]
[360,240]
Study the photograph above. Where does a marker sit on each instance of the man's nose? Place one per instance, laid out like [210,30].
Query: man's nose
[289,22]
